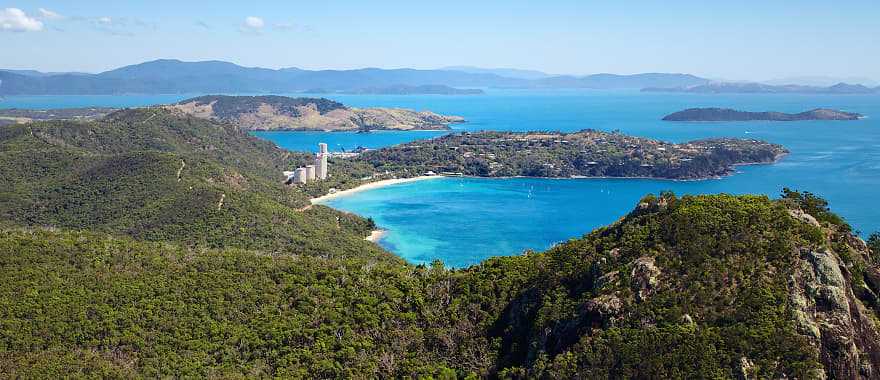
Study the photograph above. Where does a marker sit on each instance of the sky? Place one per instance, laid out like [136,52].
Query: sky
[736,40]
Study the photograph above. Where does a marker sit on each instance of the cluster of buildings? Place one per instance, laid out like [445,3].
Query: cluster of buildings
[311,173]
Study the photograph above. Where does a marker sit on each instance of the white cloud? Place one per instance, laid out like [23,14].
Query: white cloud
[15,20]
[49,15]
[105,20]
[252,24]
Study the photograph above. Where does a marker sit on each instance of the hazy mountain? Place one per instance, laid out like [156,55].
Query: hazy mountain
[504,72]
[173,76]
[612,81]
[820,81]
[35,73]
[760,88]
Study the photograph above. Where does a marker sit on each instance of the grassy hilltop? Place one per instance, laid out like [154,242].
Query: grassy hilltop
[149,244]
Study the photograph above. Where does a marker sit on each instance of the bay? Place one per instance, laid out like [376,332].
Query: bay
[463,220]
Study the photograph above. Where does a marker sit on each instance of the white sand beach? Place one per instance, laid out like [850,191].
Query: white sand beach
[369,186]
[375,235]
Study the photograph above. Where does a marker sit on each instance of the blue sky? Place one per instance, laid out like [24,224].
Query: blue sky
[745,39]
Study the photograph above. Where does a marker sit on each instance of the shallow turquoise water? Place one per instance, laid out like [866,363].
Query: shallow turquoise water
[463,221]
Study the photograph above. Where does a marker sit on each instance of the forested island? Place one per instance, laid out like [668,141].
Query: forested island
[271,112]
[727,114]
[587,153]
[149,243]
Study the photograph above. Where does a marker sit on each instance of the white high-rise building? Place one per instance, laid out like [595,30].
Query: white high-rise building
[321,161]
[310,172]
[321,166]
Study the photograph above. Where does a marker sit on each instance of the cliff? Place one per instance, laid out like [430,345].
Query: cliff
[307,114]
[726,114]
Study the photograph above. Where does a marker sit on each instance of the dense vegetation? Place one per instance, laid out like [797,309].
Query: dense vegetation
[156,176]
[587,153]
[680,288]
[153,245]
[230,107]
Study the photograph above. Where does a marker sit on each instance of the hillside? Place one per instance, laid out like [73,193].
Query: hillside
[149,244]
[726,114]
[307,114]
[586,153]
[156,176]
[696,287]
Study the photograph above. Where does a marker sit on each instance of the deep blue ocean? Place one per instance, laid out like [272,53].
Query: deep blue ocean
[462,220]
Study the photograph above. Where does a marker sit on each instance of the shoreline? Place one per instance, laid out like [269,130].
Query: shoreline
[370,186]
[389,182]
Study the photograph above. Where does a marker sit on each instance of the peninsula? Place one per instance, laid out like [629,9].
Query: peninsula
[17,115]
[265,113]
[587,153]
[727,114]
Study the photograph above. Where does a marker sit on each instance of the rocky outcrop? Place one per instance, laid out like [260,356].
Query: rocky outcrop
[834,319]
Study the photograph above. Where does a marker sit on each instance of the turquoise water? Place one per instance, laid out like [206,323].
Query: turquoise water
[462,221]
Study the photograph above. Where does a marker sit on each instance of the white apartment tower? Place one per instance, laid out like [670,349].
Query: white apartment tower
[311,172]
[321,161]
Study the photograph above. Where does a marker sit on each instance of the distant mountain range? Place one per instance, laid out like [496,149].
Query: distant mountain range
[169,76]
[821,81]
[502,72]
[173,76]
[759,88]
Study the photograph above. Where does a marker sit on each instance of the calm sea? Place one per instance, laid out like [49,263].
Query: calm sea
[462,221]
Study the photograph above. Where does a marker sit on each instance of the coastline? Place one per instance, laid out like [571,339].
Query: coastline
[370,186]
[388,182]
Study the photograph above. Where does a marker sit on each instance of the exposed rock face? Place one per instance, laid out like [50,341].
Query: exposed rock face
[835,320]
[644,275]
[307,114]
[726,114]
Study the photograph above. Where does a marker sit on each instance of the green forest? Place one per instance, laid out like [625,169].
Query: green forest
[149,244]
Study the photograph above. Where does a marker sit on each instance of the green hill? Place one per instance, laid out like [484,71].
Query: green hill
[149,245]
[155,176]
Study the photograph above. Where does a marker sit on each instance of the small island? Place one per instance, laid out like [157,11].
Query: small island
[588,153]
[281,113]
[727,114]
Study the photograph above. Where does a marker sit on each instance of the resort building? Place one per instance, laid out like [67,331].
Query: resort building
[321,161]
[299,176]
[318,171]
